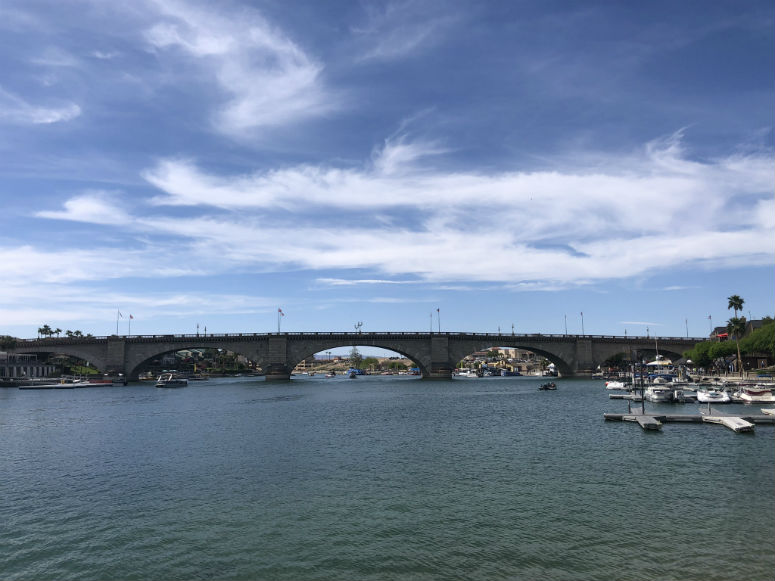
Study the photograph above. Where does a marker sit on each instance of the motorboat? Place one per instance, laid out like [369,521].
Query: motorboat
[468,373]
[658,394]
[615,385]
[769,411]
[171,380]
[712,396]
[55,384]
[352,375]
[547,386]
[509,373]
[758,392]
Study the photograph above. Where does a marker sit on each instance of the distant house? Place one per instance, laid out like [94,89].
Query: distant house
[719,334]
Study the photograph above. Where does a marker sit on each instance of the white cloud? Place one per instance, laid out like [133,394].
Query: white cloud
[93,206]
[397,29]
[14,109]
[539,230]
[270,80]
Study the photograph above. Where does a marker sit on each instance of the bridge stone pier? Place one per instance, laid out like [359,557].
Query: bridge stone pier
[436,354]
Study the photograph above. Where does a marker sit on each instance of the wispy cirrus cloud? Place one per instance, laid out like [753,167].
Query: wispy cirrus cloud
[397,29]
[267,78]
[549,229]
[98,207]
[15,109]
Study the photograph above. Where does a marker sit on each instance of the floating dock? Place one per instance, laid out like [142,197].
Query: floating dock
[654,421]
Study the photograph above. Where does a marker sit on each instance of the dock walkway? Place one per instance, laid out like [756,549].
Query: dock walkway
[654,421]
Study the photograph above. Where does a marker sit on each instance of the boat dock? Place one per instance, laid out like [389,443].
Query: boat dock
[654,421]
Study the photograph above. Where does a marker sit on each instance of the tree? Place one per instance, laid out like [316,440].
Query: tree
[762,340]
[735,303]
[370,363]
[45,331]
[57,331]
[7,342]
[355,358]
[69,334]
[736,327]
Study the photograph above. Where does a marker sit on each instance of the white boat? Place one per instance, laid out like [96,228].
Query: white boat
[769,411]
[615,385]
[759,392]
[171,380]
[467,373]
[712,396]
[658,394]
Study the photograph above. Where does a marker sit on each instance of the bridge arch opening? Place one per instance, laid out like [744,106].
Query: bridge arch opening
[194,359]
[372,359]
[512,358]
[68,360]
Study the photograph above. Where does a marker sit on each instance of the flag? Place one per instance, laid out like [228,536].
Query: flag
[281,312]
[438,311]
[130,316]
[120,315]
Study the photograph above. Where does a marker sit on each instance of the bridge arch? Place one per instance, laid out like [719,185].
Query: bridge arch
[562,366]
[302,352]
[84,352]
[139,359]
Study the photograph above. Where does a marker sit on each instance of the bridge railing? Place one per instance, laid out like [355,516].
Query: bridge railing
[505,338]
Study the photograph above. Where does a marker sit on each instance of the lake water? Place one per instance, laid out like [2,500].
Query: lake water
[375,478]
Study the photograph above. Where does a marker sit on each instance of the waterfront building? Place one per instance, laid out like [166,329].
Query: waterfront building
[14,365]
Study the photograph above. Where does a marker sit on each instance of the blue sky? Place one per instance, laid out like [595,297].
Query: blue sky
[508,163]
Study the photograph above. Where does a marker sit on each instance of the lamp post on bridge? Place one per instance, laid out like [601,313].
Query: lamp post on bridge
[582,325]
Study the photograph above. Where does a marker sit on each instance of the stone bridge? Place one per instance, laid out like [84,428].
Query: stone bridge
[436,354]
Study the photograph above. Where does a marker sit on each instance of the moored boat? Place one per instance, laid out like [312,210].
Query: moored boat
[712,396]
[171,380]
[615,385]
[551,386]
[752,393]
[658,394]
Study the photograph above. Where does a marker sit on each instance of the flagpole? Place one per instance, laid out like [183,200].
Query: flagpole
[118,313]
[129,325]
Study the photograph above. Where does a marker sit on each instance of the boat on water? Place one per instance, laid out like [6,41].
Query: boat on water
[615,385]
[658,394]
[754,393]
[712,396]
[331,374]
[550,386]
[509,373]
[171,380]
[56,384]
[467,373]
[352,375]
[769,411]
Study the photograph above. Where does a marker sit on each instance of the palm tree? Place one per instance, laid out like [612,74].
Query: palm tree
[57,331]
[69,333]
[736,327]
[46,331]
[736,303]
